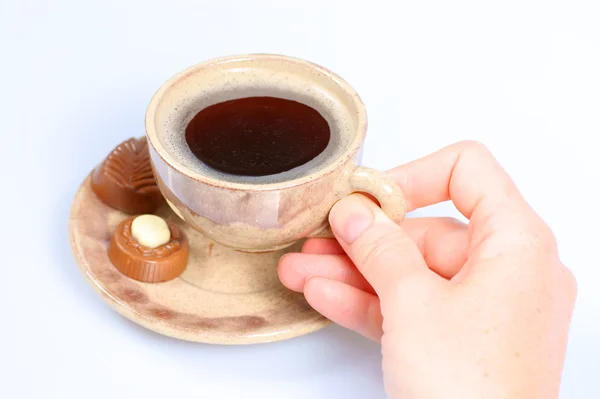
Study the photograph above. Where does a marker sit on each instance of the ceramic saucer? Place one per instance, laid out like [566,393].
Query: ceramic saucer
[223,297]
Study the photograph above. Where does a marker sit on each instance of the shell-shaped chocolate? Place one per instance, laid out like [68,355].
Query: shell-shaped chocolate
[125,180]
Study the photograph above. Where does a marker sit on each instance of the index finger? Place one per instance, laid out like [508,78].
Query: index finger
[465,172]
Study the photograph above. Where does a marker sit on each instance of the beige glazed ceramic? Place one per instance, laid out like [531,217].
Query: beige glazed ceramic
[223,296]
[265,213]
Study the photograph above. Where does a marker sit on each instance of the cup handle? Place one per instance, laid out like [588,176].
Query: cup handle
[381,186]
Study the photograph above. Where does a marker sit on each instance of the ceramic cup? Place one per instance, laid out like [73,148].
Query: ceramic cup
[264,213]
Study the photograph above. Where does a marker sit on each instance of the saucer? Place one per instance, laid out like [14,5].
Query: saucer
[223,297]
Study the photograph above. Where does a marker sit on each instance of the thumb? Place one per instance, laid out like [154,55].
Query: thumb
[381,250]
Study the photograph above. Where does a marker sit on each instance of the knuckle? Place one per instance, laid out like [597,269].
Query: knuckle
[570,282]
[542,237]
[475,147]
[528,232]
[548,238]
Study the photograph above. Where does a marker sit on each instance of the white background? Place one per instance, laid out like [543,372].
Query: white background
[522,76]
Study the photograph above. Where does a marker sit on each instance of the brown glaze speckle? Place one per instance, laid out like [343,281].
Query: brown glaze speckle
[206,324]
[237,323]
[252,322]
[163,313]
[111,276]
[134,296]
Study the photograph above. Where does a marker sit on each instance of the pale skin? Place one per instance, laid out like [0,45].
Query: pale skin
[477,310]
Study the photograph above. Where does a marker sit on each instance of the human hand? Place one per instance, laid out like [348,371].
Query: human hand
[462,311]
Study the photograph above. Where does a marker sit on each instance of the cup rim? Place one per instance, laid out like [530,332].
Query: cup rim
[341,160]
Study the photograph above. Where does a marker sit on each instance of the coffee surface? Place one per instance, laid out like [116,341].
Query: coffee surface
[257,136]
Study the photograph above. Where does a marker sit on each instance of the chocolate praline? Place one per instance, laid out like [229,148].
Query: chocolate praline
[150,265]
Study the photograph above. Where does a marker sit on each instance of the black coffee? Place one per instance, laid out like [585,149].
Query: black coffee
[257,136]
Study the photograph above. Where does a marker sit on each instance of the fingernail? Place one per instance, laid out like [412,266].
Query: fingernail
[349,218]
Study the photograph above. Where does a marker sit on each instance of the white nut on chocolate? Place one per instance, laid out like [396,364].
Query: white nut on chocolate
[150,231]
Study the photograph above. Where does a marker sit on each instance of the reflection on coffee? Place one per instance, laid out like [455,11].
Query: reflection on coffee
[257,136]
